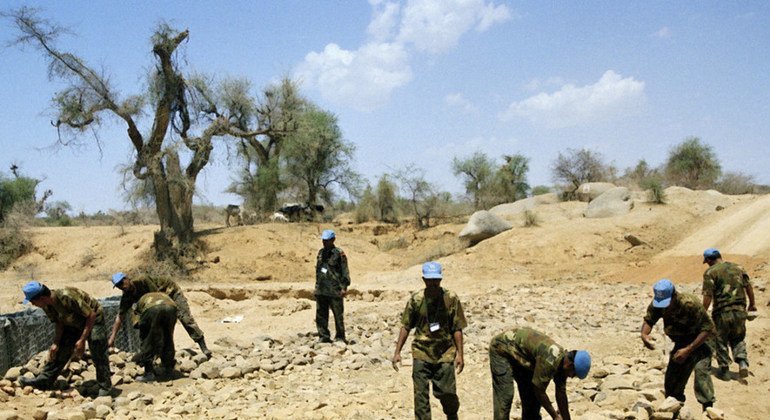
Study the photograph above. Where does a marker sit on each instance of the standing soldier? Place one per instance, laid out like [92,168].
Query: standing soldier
[78,318]
[332,280]
[155,317]
[134,288]
[728,285]
[532,359]
[687,324]
[437,316]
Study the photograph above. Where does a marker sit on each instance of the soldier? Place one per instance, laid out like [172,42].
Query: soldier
[78,318]
[437,316]
[332,280]
[134,288]
[532,359]
[728,285]
[155,316]
[687,324]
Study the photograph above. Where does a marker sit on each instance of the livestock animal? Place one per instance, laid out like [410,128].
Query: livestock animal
[233,211]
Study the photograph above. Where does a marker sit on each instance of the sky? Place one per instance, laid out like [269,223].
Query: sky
[420,82]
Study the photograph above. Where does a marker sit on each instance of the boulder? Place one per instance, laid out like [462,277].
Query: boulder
[517,207]
[483,225]
[589,191]
[613,202]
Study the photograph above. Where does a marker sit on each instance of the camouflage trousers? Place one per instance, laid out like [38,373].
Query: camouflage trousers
[97,344]
[186,318]
[677,374]
[731,333]
[504,372]
[323,304]
[156,332]
[442,377]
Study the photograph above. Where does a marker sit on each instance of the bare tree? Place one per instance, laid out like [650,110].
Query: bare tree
[477,174]
[186,116]
[422,196]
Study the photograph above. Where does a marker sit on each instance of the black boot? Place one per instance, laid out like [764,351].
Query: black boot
[204,349]
[37,382]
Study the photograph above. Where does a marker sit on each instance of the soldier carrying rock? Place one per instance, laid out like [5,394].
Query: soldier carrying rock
[134,288]
[687,324]
[155,316]
[437,316]
[78,318]
[332,280]
[728,285]
[532,359]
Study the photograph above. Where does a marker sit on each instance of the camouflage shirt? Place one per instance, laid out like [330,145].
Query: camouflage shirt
[150,300]
[683,319]
[534,351]
[725,283]
[144,285]
[71,307]
[420,312]
[331,272]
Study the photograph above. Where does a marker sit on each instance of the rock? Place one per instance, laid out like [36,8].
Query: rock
[613,202]
[615,382]
[483,225]
[209,370]
[511,209]
[589,191]
[231,372]
[102,411]
[13,373]
[9,415]
[670,405]
[660,415]
[715,413]
[686,414]
[40,415]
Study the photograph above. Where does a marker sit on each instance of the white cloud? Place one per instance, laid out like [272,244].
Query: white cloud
[436,26]
[384,22]
[362,79]
[611,96]
[457,100]
[662,33]
[537,84]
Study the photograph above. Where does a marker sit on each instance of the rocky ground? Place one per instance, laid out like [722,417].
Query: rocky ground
[291,375]
[575,278]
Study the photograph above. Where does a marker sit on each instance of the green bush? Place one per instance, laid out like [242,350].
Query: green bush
[14,242]
[655,191]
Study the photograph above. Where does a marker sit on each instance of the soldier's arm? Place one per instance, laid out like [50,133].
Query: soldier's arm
[115,328]
[646,330]
[457,336]
[561,399]
[706,301]
[80,345]
[682,354]
[56,340]
[399,344]
[546,403]
[750,294]
[344,272]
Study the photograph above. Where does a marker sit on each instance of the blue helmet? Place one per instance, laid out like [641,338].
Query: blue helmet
[582,363]
[31,290]
[432,270]
[664,290]
[328,234]
[117,278]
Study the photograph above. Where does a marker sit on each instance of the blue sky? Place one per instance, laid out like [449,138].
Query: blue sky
[424,81]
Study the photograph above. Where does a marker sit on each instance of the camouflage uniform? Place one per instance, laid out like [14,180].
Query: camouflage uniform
[331,278]
[683,320]
[148,284]
[532,359]
[434,352]
[71,308]
[155,316]
[726,284]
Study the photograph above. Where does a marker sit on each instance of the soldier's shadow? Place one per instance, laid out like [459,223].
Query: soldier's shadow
[731,376]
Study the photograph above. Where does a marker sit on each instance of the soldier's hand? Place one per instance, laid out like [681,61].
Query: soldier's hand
[752,308]
[52,351]
[459,363]
[396,360]
[80,348]
[111,342]
[648,343]
[681,355]
[343,293]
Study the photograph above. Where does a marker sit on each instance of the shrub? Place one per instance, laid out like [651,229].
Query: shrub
[736,183]
[531,219]
[540,190]
[693,164]
[14,242]
[656,194]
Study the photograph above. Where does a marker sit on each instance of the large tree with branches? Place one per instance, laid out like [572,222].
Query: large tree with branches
[187,115]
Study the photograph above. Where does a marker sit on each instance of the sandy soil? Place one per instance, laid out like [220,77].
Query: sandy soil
[265,272]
